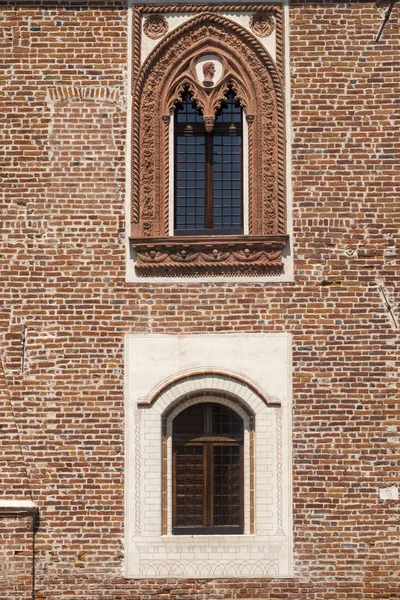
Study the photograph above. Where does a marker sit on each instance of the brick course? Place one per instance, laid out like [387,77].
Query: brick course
[65,306]
[16,557]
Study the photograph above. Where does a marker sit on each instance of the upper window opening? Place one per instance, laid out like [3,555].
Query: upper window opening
[207,471]
[209,152]
[208,169]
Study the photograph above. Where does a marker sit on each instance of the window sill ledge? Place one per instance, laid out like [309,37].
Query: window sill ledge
[190,256]
[243,538]
[210,557]
[17,508]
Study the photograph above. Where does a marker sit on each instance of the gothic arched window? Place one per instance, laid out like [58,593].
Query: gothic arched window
[208,168]
[209,153]
[207,471]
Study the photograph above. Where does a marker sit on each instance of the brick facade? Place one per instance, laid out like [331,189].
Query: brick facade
[65,305]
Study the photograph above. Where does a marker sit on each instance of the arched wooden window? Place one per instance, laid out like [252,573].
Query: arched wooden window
[207,471]
[208,169]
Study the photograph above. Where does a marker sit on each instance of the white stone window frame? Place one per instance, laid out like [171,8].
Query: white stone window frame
[154,553]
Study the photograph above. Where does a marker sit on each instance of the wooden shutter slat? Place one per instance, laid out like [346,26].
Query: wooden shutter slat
[189,485]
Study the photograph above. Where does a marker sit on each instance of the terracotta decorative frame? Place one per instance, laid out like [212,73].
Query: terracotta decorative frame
[258,83]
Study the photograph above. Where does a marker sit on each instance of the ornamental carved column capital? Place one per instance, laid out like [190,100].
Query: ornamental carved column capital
[209,122]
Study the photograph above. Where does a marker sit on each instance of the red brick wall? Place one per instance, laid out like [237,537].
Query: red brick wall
[65,306]
[16,558]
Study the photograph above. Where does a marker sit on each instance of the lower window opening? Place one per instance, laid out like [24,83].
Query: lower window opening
[208,471]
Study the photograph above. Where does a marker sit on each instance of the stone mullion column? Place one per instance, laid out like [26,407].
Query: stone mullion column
[250,159]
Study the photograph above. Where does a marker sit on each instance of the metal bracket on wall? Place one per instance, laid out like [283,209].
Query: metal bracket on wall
[385,20]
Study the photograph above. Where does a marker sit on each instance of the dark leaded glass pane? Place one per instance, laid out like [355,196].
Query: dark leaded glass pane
[190,182]
[190,421]
[187,111]
[208,167]
[230,111]
[227,164]
[190,166]
[226,485]
[227,182]
[225,421]
[189,486]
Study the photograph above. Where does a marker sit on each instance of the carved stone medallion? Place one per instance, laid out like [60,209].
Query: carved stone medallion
[155,27]
[262,24]
[208,69]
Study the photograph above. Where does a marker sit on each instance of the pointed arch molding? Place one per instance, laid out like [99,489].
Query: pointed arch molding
[259,84]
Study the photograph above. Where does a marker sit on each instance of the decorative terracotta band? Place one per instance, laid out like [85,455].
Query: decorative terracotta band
[220,7]
[281,107]
[187,256]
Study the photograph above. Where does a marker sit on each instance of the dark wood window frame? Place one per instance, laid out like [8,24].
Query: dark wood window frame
[210,509]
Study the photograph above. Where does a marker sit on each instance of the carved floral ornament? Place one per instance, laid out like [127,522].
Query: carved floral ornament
[169,71]
[188,256]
